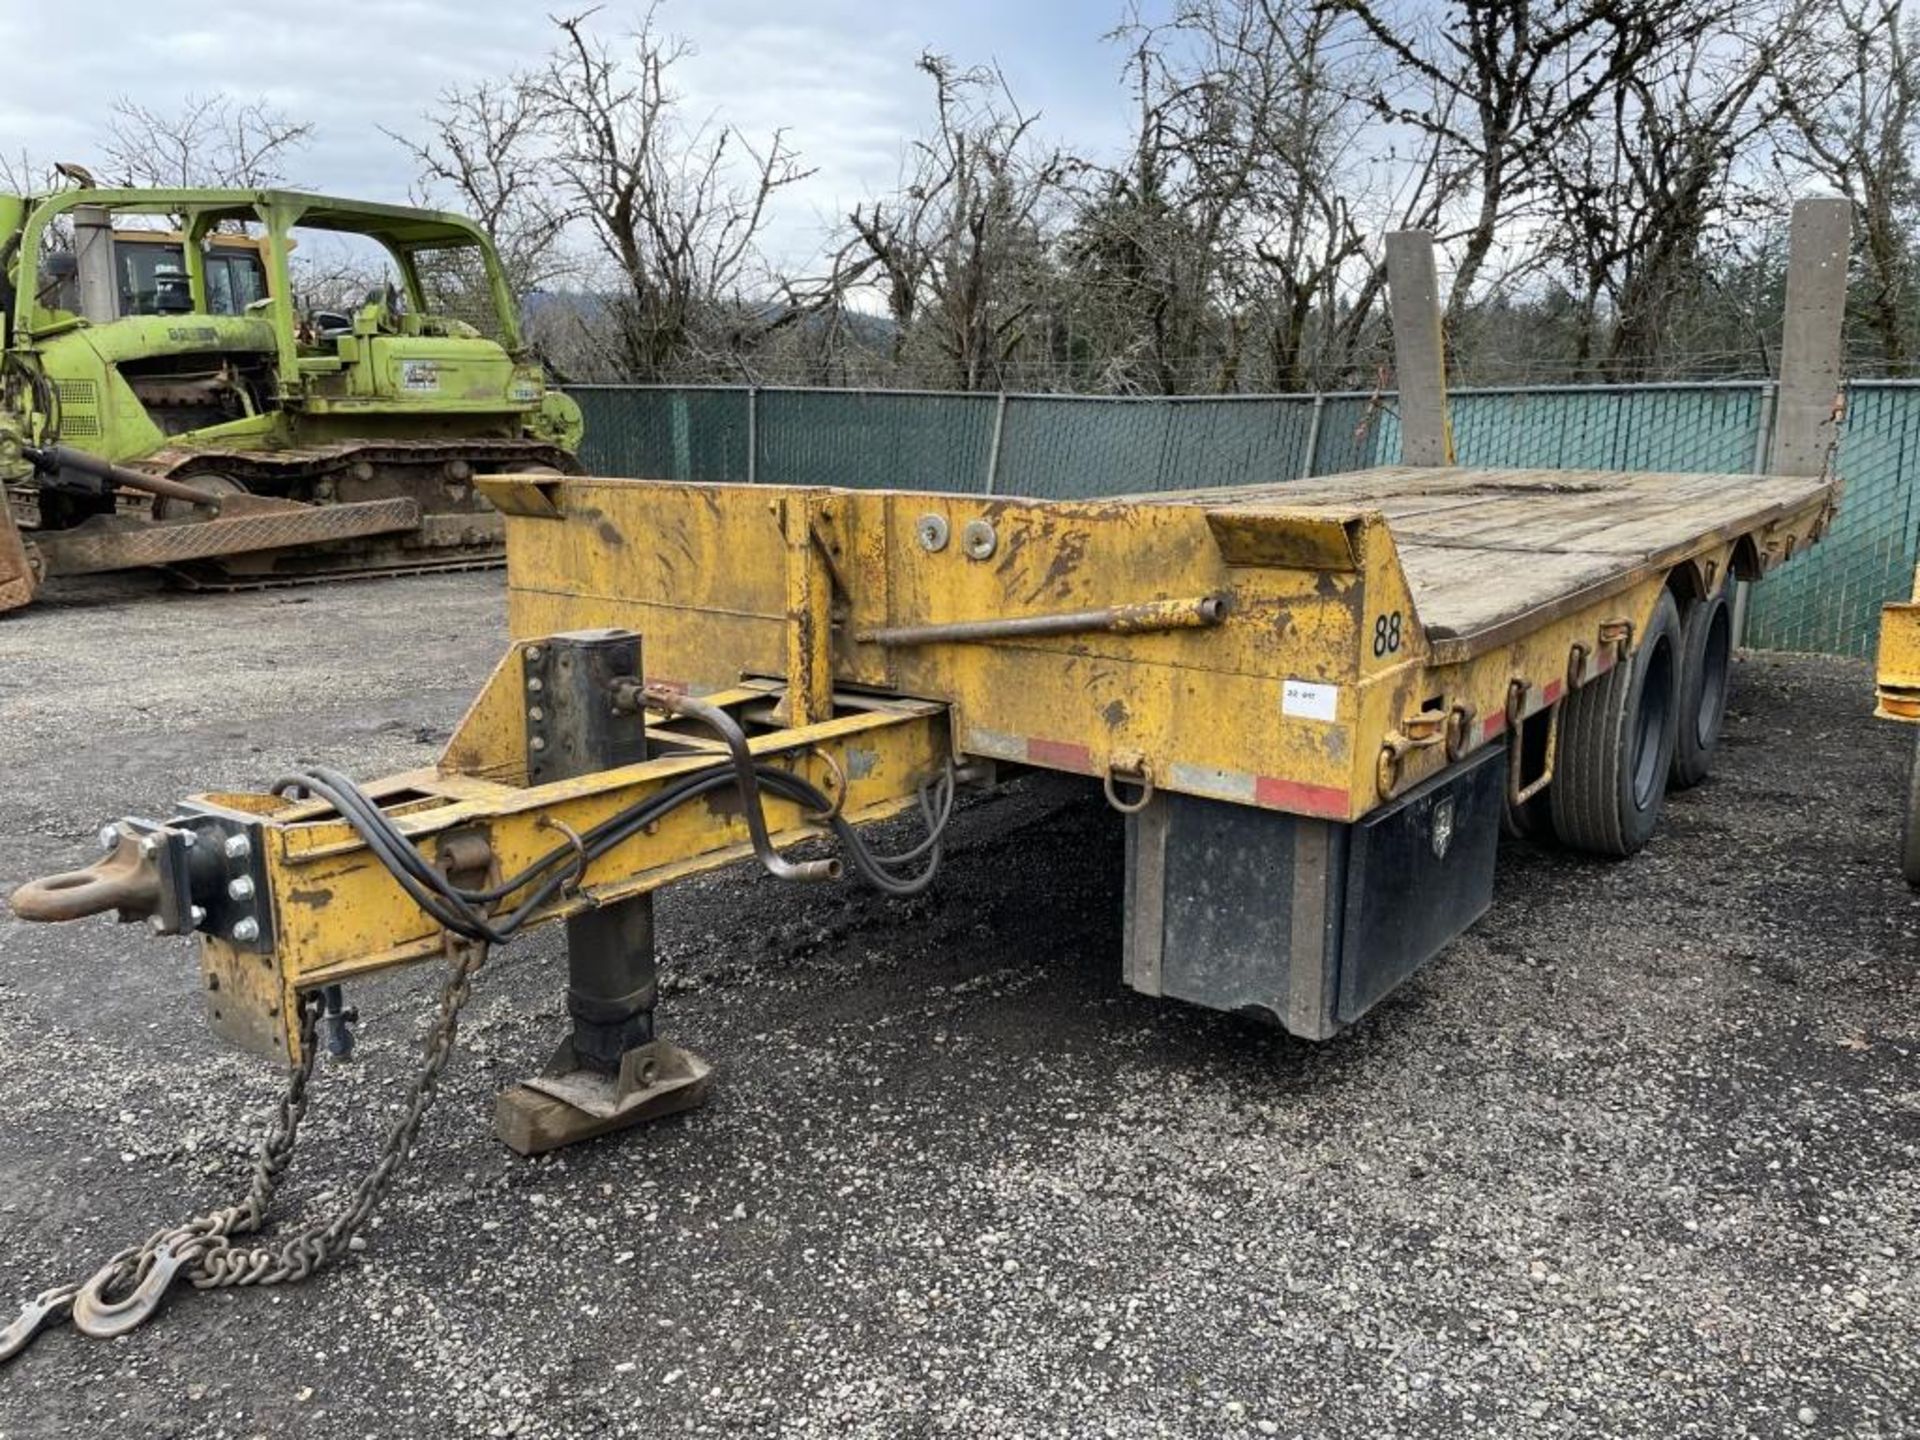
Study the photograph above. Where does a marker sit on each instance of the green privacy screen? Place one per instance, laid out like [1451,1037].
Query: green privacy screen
[1070,447]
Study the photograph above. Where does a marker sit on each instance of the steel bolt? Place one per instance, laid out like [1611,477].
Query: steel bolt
[240,888]
[536,684]
[156,924]
[246,930]
[196,914]
[188,839]
[149,847]
[536,743]
[109,836]
[534,712]
[238,847]
[532,652]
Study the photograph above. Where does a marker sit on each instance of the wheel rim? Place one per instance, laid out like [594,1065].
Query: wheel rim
[1715,666]
[1656,704]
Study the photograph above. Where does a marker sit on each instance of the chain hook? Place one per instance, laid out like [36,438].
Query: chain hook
[105,1319]
[39,1312]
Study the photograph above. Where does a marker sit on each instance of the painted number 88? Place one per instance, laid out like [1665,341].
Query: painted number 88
[1386,634]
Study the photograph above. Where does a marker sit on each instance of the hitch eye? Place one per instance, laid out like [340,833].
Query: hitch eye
[127,880]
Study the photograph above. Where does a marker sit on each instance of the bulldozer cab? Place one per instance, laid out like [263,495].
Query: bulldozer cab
[150,270]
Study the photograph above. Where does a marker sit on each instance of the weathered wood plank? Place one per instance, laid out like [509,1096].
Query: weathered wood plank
[1483,547]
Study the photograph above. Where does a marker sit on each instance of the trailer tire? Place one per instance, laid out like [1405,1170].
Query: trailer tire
[1706,678]
[1617,736]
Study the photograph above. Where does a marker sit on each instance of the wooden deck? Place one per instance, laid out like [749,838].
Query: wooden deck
[1485,549]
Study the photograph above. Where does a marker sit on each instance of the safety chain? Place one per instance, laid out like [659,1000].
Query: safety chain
[203,1249]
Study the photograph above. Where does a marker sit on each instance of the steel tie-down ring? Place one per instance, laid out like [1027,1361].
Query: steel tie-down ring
[1576,666]
[571,886]
[1459,730]
[838,790]
[39,1312]
[105,1319]
[1142,777]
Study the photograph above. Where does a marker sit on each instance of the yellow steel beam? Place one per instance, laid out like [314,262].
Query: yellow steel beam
[337,912]
[1319,690]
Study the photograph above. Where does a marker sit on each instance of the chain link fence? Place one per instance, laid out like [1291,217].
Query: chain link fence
[1070,447]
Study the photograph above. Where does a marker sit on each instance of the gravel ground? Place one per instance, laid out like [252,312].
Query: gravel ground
[1635,1158]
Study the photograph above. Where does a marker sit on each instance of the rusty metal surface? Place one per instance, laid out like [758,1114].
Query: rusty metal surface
[128,880]
[82,551]
[252,466]
[1141,618]
[19,575]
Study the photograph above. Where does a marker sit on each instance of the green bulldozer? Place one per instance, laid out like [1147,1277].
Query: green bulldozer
[168,398]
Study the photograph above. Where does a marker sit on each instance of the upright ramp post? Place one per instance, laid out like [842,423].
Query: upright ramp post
[1419,351]
[1805,415]
[1805,410]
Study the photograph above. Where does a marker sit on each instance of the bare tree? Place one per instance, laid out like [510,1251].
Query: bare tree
[1231,243]
[211,141]
[483,148]
[1640,196]
[678,209]
[1495,84]
[959,252]
[1854,113]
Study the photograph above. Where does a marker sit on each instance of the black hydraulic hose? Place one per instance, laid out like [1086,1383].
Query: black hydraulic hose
[456,909]
[728,729]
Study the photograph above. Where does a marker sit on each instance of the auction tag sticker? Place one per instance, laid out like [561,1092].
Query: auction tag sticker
[419,375]
[1309,701]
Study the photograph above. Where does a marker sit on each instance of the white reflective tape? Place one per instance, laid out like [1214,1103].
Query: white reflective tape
[1215,784]
[991,742]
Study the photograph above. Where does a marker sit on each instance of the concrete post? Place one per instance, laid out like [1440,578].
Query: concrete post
[1810,379]
[1419,355]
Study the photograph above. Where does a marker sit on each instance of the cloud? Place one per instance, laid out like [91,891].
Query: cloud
[836,75]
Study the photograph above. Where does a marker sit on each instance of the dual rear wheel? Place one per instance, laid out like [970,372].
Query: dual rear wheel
[1629,734]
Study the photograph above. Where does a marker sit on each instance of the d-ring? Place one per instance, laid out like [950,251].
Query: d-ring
[1142,778]
[572,885]
[837,792]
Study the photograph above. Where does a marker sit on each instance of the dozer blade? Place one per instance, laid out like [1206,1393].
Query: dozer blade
[17,579]
[83,551]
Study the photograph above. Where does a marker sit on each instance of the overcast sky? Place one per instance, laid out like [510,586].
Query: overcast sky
[838,74]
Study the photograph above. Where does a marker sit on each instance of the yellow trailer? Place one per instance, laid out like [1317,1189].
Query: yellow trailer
[1897,685]
[1316,703]
[1306,695]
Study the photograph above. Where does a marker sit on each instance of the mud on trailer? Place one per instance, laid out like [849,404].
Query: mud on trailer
[1316,702]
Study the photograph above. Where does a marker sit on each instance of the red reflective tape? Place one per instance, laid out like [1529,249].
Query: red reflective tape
[1060,755]
[1274,793]
[1493,725]
[1551,691]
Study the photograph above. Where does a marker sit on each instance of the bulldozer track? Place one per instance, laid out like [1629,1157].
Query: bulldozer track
[82,551]
[205,584]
